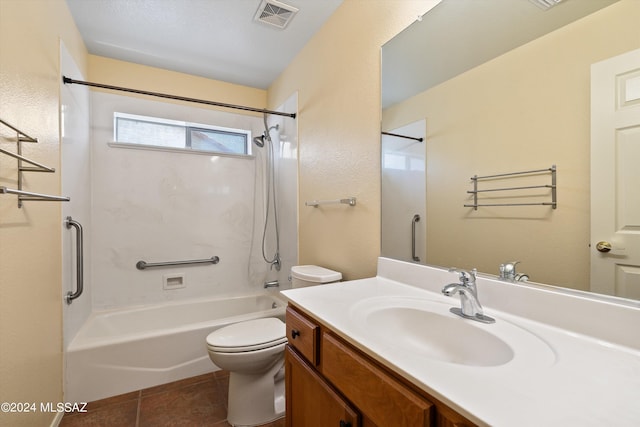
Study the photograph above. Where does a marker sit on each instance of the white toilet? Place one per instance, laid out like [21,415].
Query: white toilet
[253,353]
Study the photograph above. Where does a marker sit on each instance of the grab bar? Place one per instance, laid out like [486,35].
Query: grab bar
[79,260]
[415,219]
[141,265]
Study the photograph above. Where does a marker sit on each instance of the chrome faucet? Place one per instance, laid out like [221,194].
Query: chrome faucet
[470,305]
[508,272]
[271,284]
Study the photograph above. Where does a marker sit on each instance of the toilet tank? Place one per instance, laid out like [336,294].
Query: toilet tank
[309,275]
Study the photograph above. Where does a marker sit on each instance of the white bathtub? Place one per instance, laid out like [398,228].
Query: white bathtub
[119,351]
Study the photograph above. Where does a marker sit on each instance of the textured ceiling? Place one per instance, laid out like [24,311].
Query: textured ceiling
[218,39]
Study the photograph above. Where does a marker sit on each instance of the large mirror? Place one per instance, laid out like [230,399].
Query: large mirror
[492,87]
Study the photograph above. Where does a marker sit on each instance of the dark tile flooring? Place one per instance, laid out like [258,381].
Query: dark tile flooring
[197,401]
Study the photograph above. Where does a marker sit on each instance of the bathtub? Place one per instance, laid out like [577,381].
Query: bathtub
[118,351]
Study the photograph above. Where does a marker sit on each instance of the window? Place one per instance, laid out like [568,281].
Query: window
[402,161]
[163,133]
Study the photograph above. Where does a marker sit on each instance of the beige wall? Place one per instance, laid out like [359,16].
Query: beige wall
[527,109]
[30,238]
[31,359]
[337,76]
[126,74]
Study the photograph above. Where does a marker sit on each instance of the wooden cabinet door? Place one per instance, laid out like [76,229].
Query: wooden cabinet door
[381,398]
[311,402]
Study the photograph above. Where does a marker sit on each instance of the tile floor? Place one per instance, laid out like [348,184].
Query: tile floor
[197,401]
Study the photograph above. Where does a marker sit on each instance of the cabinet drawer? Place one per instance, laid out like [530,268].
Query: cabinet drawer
[303,335]
[380,397]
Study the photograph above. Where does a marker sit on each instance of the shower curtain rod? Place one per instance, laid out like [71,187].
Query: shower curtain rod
[403,136]
[68,80]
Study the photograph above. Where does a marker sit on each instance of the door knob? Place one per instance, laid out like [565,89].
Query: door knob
[603,246]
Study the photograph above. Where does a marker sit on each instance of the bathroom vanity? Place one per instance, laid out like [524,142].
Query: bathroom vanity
[332,383]
[386,351]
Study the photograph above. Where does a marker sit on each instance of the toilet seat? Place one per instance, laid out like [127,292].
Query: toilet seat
[251,335]
[248,348]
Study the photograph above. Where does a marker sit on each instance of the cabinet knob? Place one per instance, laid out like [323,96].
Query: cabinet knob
[295,333]
[344,423]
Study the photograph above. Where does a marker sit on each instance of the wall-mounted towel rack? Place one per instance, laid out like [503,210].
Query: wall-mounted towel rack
[553,203]
[30,196]
[141,265]
[351,201]
[22,137]
[36,167]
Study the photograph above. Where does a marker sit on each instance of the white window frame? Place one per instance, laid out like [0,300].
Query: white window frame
[189,127]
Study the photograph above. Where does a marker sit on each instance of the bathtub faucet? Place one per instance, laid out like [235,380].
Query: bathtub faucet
[271,284]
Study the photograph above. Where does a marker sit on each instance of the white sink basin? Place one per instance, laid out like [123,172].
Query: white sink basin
[425,328]
[439,337]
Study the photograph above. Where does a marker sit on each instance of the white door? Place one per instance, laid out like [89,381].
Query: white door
[615,176]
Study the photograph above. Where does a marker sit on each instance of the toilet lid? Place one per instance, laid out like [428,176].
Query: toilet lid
[247,336]
[313,273]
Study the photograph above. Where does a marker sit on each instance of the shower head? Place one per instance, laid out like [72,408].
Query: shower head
[259,141]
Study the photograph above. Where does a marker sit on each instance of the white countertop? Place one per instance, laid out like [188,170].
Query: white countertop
[567,379]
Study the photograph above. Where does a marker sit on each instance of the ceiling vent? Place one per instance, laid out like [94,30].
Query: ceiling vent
[545,4]
[275,13]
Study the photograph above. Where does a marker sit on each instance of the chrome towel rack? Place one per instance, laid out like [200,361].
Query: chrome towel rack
[351,201]
[141,265]
[35,167]
[70,222]
[22,137]
[38,167]
[29,196]
[553,203]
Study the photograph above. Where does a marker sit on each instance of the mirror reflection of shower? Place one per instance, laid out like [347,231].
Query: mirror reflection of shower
[271,205]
